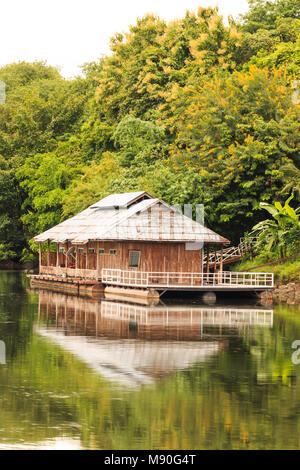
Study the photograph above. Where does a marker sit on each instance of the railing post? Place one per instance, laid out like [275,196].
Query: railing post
[145,278]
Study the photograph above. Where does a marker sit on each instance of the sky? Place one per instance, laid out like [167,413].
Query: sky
[68,33]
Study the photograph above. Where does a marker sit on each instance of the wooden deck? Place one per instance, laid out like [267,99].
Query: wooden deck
[225,281]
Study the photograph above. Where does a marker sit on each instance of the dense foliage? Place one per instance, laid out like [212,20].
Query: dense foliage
[193,111]
[281,233]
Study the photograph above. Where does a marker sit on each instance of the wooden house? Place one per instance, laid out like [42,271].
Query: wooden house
[134,240]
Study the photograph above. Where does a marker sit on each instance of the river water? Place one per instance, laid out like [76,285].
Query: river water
[89,374]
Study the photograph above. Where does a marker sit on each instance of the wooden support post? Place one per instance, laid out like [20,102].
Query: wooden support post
[66,253]
[221,263]
[48,254]
[97,260]
[215,266]
[76,258]
[40,257]
[207,259]
[87,254]
[57,254]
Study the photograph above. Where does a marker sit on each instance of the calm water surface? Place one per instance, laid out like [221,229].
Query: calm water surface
[85,374]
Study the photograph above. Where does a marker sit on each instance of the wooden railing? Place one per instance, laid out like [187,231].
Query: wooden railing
[232,253]
[184,315]
[63,272]
[175,279]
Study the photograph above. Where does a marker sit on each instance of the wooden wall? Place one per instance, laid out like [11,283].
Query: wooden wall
[154,256]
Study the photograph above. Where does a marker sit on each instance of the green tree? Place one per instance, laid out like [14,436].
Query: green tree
[41,110]
[194,110]
[139,141]
[262,14]
[238,131]
[12,237]
[45,179]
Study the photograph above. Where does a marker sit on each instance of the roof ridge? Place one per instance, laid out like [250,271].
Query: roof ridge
[154,201]
[119,199]
[127,216]
[99,223]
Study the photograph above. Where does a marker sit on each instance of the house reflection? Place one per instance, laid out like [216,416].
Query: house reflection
[135,344]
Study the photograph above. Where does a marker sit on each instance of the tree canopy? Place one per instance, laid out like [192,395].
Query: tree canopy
[197,110]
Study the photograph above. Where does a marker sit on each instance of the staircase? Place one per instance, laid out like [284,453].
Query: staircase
[232,254]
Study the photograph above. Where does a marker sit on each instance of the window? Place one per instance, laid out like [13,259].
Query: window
[101,251]
[61,250]
[91,251]
[80,251]
[112,252]
[134,259]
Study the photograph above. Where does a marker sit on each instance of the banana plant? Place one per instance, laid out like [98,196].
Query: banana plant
[282,231]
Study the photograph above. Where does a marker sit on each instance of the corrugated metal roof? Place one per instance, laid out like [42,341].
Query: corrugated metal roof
[147,220]
[120,200]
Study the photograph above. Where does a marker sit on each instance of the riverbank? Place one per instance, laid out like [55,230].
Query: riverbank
[288,293]
[286,279]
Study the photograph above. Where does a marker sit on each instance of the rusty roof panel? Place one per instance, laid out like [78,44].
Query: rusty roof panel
[147,220]
[120,200]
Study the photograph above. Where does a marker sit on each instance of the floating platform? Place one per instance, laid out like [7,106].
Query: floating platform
[92,288]
[66,285]
[225,281]
[139,296]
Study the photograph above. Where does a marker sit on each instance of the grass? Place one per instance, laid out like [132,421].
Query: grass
[289,271]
